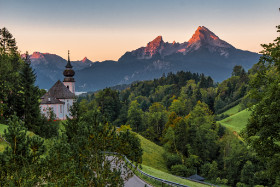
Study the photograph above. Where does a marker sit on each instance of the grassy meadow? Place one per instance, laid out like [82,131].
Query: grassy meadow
[232,110]
[236,121]
[152,154]
[169,177]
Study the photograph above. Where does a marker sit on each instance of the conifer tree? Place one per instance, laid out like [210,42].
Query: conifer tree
[7,42]
[30,96]
[10,64]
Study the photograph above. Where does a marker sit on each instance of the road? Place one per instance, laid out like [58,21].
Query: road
[135,182]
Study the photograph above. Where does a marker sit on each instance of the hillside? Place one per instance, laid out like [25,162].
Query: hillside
[152,154]
[169,177]
[237,120]
[154,164]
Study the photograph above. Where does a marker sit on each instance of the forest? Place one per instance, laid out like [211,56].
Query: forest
[179,111]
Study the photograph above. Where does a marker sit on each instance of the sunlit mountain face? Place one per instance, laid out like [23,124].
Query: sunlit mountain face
[204,53]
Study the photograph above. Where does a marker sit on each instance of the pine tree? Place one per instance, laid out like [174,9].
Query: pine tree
[30,96]
[10,65]
[7,42]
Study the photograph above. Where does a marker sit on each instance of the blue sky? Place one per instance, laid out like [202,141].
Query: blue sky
[107,29]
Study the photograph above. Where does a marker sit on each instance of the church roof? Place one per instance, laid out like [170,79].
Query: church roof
[48,99]
[60,91]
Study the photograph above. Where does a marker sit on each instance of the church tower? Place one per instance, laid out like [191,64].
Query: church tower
[69,81]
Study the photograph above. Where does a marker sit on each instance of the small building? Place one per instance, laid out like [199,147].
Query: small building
[196,177]
[60,96]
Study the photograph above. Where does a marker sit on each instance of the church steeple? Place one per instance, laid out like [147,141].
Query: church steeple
[69,81]
[68,63]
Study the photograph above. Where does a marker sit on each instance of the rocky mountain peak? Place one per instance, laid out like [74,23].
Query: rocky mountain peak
[155,43]
[85,59]
[204,36]
[153,46]
[36,55]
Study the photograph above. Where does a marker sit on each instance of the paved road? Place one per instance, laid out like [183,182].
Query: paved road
[135,182]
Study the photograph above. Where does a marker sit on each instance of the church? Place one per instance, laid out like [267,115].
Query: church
[61,95]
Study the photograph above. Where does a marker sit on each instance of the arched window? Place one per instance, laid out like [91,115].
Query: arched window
[68,87]
[68,107]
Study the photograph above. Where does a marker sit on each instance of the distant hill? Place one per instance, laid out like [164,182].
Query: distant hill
[204,53]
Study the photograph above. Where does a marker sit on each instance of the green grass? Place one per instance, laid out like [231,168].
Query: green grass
[237,121]
[2,128]
[3,144]
[154,164]
[169,177]
[152,154]
[232,110]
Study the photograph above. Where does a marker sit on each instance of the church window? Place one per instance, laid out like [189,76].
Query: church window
[60,108]
[67,107]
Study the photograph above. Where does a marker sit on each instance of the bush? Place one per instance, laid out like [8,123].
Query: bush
[210,171]
[172,159]
[240,184]
[182,170]
[179,170]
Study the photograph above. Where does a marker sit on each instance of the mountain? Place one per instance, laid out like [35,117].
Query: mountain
[49,67]
[204,53]
[202,37]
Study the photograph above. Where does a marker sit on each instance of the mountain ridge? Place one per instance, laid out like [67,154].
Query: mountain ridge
[204,53]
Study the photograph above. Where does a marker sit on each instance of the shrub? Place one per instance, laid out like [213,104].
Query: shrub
[182,170]
[172,159]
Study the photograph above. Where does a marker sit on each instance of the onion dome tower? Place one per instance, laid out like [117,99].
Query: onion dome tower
[68,73]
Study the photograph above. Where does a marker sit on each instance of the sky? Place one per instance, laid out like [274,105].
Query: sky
[106,29]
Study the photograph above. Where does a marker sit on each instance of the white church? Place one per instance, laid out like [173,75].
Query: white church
[61,95]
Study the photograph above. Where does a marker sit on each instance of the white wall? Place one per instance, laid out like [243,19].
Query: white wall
[67,110]
[71,86]
[55,108]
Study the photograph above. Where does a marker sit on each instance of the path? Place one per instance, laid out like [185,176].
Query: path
[135,182]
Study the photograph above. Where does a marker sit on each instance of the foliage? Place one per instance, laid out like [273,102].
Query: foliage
[18,93]
[262,131]
[10,66]
[108,103]
[134,116]
[23,151]
[30,96]
[181,170]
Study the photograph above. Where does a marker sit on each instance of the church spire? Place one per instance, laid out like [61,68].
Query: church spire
[68,65]
[68,72]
